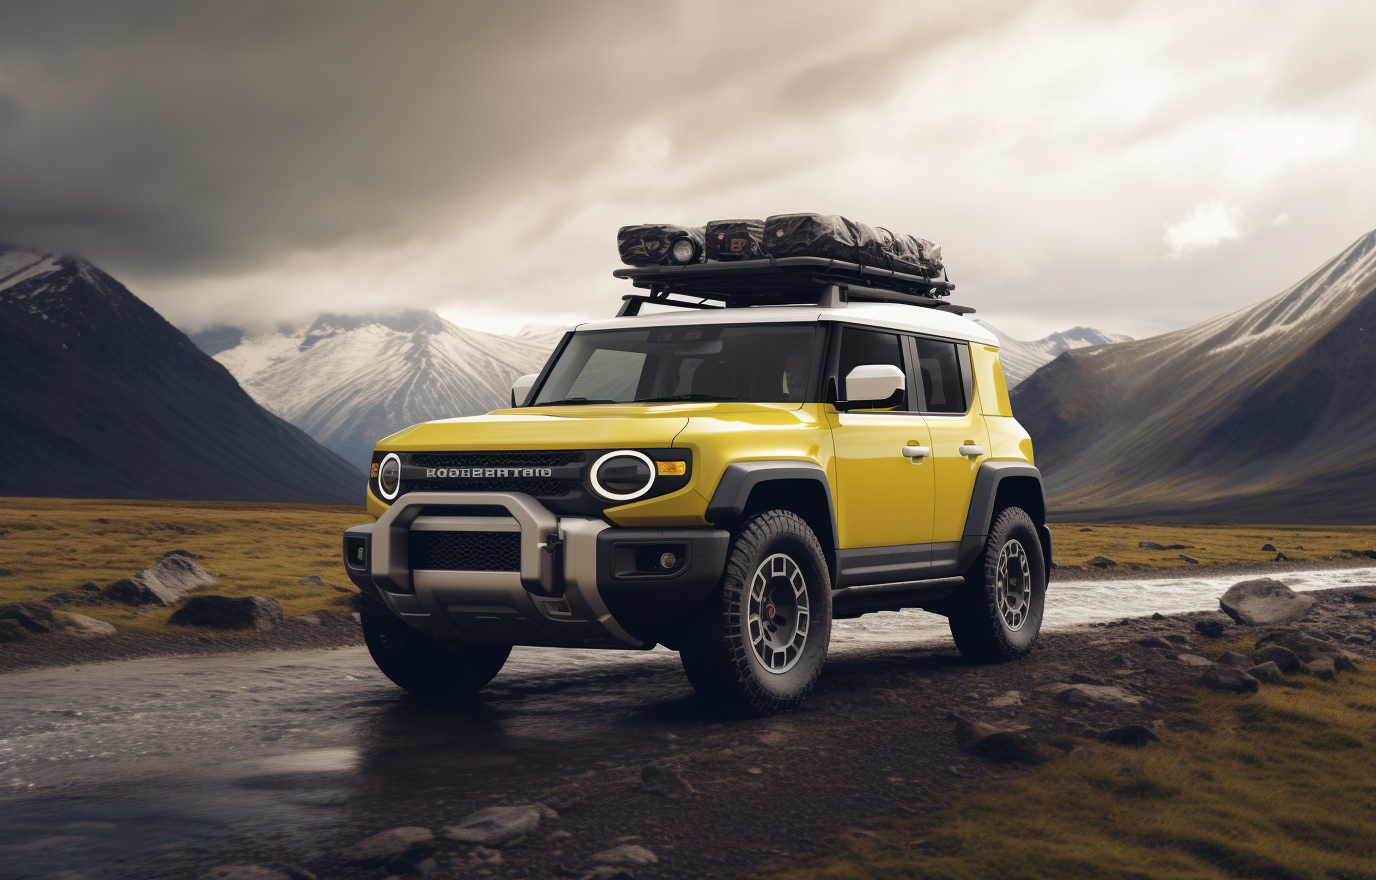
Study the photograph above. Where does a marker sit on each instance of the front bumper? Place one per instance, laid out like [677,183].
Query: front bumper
[575,581]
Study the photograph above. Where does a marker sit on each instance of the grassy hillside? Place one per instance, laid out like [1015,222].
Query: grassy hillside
[55,544]
[1077,543]
[1275,785]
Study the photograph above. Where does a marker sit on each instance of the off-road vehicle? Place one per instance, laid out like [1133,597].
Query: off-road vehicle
[779,443]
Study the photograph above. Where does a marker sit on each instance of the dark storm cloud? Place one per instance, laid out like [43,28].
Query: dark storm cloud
[181,139]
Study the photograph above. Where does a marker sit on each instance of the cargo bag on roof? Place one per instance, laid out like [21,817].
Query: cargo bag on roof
[735,239]
[839,238]
[652,244]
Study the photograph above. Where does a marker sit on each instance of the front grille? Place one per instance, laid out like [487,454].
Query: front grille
[465,551]
[497,459]
[464,510]
[538,488]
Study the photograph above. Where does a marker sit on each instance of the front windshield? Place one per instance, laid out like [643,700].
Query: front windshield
[766,363]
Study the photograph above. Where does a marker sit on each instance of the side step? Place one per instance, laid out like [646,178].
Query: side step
[868,598]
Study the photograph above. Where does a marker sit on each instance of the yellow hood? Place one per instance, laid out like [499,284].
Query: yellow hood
[564,427]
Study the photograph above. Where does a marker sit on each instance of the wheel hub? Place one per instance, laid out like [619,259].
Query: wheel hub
[777,613]
[1013,585]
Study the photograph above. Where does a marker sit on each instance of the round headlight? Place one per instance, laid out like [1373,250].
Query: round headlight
[622,476]
[389,476]
[683,251]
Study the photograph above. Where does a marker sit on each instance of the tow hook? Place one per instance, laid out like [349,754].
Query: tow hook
[553,543]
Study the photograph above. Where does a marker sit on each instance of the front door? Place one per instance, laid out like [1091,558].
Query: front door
[883,497]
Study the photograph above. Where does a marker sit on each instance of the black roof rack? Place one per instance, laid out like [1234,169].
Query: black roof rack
[781,281]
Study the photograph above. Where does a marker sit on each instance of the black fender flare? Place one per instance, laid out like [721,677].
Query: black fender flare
[981,513]
[740,479]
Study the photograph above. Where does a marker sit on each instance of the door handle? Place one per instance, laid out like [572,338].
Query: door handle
[916,453]
[970,449]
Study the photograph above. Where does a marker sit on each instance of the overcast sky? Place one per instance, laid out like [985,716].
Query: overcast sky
[1131,166]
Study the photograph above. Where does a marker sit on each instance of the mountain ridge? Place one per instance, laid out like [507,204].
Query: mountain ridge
[1022,358]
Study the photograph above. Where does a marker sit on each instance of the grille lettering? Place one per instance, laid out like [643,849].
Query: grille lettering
[486,473]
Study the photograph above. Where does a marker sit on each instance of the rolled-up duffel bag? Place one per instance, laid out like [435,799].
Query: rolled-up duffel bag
[826,235]
[656,244]
[735,239]
[917,255]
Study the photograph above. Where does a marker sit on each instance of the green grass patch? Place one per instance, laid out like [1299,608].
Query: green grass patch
[1210,544]
[48,545]
[1280,784]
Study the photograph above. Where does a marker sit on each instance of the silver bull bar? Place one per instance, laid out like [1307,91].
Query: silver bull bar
[552,600]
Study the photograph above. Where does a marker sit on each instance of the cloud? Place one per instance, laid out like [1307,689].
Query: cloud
[1207,225]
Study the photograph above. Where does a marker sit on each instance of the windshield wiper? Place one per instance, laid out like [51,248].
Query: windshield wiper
[575,401]
[674,397]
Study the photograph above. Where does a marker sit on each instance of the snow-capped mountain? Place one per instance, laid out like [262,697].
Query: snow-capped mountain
[1021,359]
[1265,414]
[350,380]
[102,398]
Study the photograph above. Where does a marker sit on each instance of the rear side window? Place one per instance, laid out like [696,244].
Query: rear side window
[938,366]
[860,347]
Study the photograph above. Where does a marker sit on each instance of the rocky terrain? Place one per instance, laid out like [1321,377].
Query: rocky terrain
[895,730]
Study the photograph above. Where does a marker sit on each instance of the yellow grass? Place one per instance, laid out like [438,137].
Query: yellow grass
[1281,784]
[55,544]
[1208,543]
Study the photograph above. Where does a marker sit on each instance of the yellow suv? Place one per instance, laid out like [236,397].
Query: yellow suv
[782,443]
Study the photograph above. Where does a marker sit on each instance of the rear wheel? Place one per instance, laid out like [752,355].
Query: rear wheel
[426,665]
[758,643]
[997,615]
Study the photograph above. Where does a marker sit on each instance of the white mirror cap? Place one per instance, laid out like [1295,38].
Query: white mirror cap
[874,382]
[521,388]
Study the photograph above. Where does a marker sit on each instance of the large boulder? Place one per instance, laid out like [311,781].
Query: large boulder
[1226,678]
[164,584]
[1305,647]
[34,617]
[224,612]
[1264,602]
[1285,660]
[87,626]
[390,844]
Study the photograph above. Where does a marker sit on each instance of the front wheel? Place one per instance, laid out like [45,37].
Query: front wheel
[757,644]
[997,615]
[426,665]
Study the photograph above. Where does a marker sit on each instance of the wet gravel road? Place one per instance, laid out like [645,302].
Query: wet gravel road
[164,767]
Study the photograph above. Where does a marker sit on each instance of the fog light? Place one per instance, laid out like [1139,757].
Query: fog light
[685,250]
[668,560]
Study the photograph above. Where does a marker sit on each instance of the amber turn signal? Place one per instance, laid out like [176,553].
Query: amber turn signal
[671,468]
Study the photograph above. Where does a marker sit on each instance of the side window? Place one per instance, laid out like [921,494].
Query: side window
[938,366]
[870,347]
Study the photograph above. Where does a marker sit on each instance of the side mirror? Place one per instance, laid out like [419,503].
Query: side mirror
[520,389]
[873,386]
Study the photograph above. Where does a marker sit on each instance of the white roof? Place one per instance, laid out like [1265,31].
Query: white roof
[892,316]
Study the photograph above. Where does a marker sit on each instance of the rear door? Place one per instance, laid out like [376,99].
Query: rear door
[883,498]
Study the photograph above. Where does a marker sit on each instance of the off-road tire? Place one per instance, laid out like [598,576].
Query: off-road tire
[716,647]
[978,614]
[427,666]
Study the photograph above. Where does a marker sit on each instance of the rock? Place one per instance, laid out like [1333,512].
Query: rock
[164,584]
[1086,530]
[311,581]
[1226,678]
[1267,673]
[1102,562]
[311,619]
[1135,735]
[495,826]
[66,597]
[1081,678]
[1323,668]
[1155,642]
[1099,696]
[666,781]
[186,554]
[1283,658]
[1194,660]
[1264,602]
[970,729]
[1364,596]
[1237,661]
[1210,629]
[1177,638]
[1006,701]
[225,612]
[387,845]
[628,855]
[1149,545]
[1009,748]
[87,626]
[35,617]
[1368,554]
[1157,615]
[12,631]
[1268,548]
[1188,559]
[1281,557]
[244,872]
[89,587]
[1306,647]
[1299,547]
